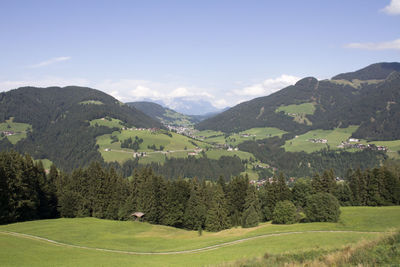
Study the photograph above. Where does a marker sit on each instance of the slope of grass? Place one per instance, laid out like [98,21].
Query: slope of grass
[175,145]
[383,250]
[19,130]
[334,137]
[305,108]
[107,122]
[135,236]
[93,102]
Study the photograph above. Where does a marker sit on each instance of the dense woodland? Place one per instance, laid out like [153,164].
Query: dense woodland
[202,168]
[28,193]
[60,122]
[301,164]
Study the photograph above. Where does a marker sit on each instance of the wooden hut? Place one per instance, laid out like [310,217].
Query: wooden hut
[137,215]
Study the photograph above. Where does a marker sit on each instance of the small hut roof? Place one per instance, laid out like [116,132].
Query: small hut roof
[138,214]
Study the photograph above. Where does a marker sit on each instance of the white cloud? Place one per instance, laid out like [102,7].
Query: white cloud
[393,8]
[267,87]
[49,62]
[126,90]
[390,45]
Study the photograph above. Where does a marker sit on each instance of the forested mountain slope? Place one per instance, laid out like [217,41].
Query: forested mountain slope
[369,97]
[165,115]
[59,120]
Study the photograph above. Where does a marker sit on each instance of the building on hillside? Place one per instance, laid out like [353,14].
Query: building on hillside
[138,215]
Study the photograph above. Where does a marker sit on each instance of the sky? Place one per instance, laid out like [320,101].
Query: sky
[224,52]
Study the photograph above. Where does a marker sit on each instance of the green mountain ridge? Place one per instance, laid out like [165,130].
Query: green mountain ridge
[60,121]
[165,115]
[373,104]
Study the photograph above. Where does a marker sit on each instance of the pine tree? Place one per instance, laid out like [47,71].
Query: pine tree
[252,213]
[236,195]
[217,215]
[195,211]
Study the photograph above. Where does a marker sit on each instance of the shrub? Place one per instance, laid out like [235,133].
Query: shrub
[284,213]
[322,207]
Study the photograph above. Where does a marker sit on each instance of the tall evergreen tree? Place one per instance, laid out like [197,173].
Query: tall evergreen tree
[195,212]
[217,215]
[252,212]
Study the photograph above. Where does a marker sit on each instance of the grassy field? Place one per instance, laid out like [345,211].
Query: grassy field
[19,130]
[334,137]
[93,102]
[175,145]
[237,138]
[298,112]
[305,108]
[143,237]
[111,123]
[46,163]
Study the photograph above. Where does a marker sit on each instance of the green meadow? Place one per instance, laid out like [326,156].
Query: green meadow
[92,102]
[175,145]
[110,122]
[235,139]
[334,138]
[362,223]
[298,112]
[305,108]
[19,130]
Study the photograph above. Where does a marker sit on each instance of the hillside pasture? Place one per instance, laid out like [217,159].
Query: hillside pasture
[91,102]
[235,139]
[333,137]
[356,223]
[298,112]
[175,145]
[107,122]
[19,130]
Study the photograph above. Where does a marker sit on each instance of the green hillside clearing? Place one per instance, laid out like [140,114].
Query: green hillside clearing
[360,222]
[333,138]
[16,130]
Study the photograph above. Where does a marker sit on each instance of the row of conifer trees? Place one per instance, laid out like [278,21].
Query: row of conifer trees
[28,193]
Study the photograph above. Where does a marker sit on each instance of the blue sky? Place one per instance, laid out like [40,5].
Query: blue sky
[224,52]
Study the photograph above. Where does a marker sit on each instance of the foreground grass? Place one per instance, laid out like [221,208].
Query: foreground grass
[134,236]
[383,250]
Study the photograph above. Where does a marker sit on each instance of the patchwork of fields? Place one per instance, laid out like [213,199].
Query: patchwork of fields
[356,223]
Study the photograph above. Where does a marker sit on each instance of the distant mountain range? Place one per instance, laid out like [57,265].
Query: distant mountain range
[57,123]
[369,97]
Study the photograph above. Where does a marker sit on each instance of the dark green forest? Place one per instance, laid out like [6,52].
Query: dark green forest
[60,122]
[28,193]
[302,164]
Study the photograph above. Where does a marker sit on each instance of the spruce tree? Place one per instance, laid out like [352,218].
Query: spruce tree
[217,214]
[252,213]
[195,211]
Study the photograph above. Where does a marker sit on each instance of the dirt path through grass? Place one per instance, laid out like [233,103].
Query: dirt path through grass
[56,243]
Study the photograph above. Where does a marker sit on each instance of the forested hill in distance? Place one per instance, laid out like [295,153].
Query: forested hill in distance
[169,116]
[57,122]
[165,115]
[369,97]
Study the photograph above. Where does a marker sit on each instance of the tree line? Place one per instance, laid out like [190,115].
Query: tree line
[27,192]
